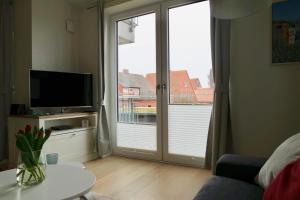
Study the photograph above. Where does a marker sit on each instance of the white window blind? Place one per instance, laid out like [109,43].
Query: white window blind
[188,129]
[136,136]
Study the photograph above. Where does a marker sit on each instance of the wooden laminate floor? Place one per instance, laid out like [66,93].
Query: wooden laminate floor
[130,179]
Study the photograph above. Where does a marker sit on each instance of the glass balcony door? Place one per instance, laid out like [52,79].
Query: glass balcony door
[163,88]
[137,122]
[187,103]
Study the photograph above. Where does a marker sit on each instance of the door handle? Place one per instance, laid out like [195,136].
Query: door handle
[164,87]
[159,87]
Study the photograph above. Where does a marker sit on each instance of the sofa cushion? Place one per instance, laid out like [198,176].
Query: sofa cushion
[286,153]
[222,188]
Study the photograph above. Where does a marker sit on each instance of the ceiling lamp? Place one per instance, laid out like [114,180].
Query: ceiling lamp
[233,9]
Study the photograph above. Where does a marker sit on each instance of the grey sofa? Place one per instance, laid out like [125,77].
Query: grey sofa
[233,179]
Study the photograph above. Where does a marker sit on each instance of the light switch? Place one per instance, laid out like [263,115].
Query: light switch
[70,26]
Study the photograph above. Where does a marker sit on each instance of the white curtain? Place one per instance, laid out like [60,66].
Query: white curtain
[103,139]
[6,30]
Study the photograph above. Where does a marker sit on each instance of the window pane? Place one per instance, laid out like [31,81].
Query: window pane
[136,126]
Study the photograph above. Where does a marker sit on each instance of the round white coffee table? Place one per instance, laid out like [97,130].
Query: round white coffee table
[62,182]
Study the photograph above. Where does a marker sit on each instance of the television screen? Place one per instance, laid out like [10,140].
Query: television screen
[60,89]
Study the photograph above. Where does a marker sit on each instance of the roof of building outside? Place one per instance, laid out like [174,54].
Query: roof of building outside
[204,95]
[180,84]
[128,80]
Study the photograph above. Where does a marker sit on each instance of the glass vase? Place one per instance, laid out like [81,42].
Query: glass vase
[31,168]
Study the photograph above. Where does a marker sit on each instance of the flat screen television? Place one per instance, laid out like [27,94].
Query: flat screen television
[60,89]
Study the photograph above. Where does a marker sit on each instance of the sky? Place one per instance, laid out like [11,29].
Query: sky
[189,43]
[287,10]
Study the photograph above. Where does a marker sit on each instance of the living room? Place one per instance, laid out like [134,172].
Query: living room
[149,99]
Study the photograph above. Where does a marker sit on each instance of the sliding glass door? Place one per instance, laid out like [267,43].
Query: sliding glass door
[163,89]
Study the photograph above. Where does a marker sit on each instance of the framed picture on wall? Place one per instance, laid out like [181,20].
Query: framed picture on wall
[286,31]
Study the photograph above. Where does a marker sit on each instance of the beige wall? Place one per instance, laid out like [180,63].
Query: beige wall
[53,48]
[22,51]
[88,48]
[265,97]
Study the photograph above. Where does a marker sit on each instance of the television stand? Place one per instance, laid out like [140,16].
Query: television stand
[61,127]
[63,110]
[76,143]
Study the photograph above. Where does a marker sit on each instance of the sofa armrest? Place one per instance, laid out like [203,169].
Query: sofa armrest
[243,168]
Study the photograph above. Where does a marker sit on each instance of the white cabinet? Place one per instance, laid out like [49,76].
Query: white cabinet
[76,144]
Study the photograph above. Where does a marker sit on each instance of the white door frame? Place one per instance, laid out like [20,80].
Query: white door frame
[144,154]
[162,71]
[180,159]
